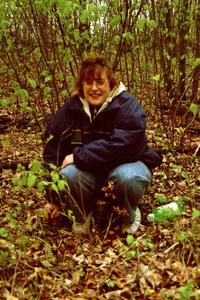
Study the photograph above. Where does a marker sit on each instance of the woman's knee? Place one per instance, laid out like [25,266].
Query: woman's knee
[134,185]
[133,178]
[70,173]
[131,173]
[79,179]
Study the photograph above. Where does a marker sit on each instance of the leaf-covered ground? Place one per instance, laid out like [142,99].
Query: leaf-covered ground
[44,260]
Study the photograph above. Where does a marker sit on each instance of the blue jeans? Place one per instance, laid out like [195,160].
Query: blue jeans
[130,183]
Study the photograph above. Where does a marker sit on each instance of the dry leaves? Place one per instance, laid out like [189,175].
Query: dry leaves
[45,261]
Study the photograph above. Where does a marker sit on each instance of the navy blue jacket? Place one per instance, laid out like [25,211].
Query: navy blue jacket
[116,136]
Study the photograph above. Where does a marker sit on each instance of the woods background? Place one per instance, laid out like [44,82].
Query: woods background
[154,46]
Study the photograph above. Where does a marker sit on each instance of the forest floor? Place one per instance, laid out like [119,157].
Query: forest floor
[44,260]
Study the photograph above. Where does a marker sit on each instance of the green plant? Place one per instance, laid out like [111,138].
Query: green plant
[187,291]
[195,213]
[110,283]
[161,198]
[38,177]
[128,250]
[4,257]
[7,257]
[4,233]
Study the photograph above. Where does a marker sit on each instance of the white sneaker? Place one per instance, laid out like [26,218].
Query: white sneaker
[79,229]
[83,228]
[132,228]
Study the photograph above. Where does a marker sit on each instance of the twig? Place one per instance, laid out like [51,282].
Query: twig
[15,273]
[197,150]
[171,248]
[108,227]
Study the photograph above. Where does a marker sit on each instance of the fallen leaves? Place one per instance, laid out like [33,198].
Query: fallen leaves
[46,261]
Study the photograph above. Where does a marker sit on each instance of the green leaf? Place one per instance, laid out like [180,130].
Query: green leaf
[187,291]
[3,257]
[195,213]
[37,53]
[10,45]
[11,220]
[22,93]
[193,108]
[20,168]
[152,23]
[174,61]
[70,215]
[5,143]
[161,198]
[61,76]
[25,106]
[52,166]
[150,243]
[4,24]
[64,93]
[47,90]
[54,187]
[131,254]
[31,180]
[156,77]
[36,166]
[71,79]
[5,102]
[4,232]
[61,184]
[48,78]
[76,35]
[110,283]
[127,35]
[115,21]
[55,177]
[196,62]
[84,16]
[65,7]
[130,239]
[117,38]
[141,23]
[32,83]
[42,185]
[68,55]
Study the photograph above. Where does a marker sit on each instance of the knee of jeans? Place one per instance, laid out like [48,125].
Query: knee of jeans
[123,177]
[136,183]
[132,172]
[70,173]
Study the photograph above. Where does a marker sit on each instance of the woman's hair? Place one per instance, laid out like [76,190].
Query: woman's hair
[90,67]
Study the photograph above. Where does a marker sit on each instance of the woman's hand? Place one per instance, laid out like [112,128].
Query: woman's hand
[68,160]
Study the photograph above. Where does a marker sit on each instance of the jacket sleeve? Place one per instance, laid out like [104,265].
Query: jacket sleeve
[57,139]
[127,143]
[50,153]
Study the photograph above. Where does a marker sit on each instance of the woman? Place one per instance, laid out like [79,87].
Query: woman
[99,136]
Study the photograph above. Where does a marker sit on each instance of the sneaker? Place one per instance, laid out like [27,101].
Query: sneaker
[132,228]
[79,228]
[83,228]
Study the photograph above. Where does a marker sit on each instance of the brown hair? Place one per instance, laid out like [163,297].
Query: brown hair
[92,65]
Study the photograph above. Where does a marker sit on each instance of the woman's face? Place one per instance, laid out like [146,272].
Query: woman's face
[97,88]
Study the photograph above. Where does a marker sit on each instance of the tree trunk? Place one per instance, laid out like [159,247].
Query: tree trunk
[196,75]
[182,49]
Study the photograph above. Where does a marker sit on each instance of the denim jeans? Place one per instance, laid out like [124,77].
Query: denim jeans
[130,183]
